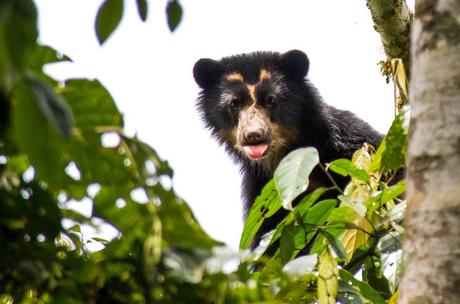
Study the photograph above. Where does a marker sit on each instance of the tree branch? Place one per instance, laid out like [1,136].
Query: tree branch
[393,20]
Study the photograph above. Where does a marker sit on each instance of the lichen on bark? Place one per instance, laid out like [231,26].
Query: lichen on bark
[392,20]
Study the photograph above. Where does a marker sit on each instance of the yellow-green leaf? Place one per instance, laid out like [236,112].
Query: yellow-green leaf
[354,238]
[327,279]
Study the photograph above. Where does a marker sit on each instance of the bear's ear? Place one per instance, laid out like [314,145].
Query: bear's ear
[295,63]
[207,72]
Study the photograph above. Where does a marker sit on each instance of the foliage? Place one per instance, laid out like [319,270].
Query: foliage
[63,144]
[110,14]
[356,235]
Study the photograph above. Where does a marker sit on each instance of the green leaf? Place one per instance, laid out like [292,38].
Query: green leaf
[180,228]
[342,214]
[363,288]
[389,248]
[345,167]
[288,244]
[327,279]
[393,191]
[317,216]
[300,210]
[319,213]
[174,14]
[391,155]
[91,104]
[101,165]
[36,137]
[266,204]
[53,107]
[18,32]
[335,244]
[393,270]
[107,19]
[305,204]
[291,175]
[142,9]
[42,55]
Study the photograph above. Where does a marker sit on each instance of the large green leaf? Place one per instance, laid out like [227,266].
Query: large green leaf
[36,136]
[18,32]
[53,107]
[266,204]
[291,175]
[391,155]
[91,104]
[107,19]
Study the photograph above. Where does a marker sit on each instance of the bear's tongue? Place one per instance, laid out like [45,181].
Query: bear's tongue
[256,151]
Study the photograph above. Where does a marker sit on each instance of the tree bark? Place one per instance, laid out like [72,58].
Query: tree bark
[432,243]
[392,20]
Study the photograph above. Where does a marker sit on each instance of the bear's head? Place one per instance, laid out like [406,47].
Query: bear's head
[255,103]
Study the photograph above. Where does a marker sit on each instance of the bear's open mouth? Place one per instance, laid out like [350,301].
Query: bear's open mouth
[256,151]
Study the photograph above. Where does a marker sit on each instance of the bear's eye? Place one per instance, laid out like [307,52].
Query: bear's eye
[270,100]
[234,103]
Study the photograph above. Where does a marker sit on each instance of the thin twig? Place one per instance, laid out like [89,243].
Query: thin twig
[330,178]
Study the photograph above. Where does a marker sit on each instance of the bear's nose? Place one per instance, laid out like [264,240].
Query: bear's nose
[254,136]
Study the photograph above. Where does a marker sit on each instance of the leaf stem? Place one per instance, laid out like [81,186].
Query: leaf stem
[329,176]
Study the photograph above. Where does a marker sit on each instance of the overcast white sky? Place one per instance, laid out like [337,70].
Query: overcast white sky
[148,71]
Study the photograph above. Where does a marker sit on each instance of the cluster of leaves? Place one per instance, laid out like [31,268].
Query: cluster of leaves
[111,11]
[62,144]
[356,235]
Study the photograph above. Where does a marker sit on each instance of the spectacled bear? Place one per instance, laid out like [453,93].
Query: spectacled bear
[261,106]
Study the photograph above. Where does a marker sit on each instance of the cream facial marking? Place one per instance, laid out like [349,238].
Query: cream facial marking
[252,92]
[263,75]
[234,77]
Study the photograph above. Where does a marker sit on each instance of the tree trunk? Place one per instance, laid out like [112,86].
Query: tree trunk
[392,20]
[432,243]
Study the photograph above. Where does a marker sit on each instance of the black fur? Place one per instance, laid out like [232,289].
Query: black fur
[299,109]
